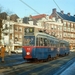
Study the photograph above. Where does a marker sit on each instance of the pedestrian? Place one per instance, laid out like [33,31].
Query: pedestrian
[2,53]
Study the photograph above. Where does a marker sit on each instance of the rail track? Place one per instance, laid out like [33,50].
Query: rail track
[40,68]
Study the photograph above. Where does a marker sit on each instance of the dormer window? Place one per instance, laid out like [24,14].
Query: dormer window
[68,14]
[19,20]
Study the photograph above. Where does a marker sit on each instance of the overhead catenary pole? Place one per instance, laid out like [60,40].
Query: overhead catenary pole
[0,30]
[9,45]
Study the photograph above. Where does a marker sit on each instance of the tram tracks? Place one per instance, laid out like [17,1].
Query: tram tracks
[39,68]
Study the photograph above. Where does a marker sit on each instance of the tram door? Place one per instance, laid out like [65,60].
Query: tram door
[42,49]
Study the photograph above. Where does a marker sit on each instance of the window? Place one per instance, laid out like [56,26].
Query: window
[10,26]
[60,28]
[29,40]
[20,29]
[6,26]
[64,23]
[71,24]
[20,36]
[16,28]
[68,24]
[52,42]
[68,29]
[37,41]
[16,39]
[64,28]
[45,42]
[41,42]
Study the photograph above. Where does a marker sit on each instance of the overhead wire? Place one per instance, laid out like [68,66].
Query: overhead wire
[29,6]
[56,5]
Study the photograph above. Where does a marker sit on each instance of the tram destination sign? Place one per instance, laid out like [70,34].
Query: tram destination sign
[29,31]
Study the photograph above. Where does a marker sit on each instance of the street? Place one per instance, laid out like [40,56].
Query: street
[16,65]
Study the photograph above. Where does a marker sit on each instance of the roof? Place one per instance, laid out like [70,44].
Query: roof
[45,35]
[66,17]
[38,16]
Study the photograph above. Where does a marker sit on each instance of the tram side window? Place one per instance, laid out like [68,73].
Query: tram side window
[52,42]
[57,44]
[41,42]
[62,45]
[45,42]
[67,45]
[37,41]
[48,42]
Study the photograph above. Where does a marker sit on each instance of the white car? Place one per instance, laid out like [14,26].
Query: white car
[19,50]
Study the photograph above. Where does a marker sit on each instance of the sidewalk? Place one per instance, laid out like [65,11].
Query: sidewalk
[70,70]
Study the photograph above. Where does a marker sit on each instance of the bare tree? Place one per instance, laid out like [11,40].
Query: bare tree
[1,9]
[9,12]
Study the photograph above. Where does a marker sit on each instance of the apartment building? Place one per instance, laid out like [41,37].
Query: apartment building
[68,32]
[55,24]
[13,33]
[49,25]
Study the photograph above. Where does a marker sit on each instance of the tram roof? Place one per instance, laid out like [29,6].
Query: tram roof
[46,35]
[64,41]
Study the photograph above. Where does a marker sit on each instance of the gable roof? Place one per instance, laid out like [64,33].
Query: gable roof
[38,16]
[66,17]
[14,17]
[3,15]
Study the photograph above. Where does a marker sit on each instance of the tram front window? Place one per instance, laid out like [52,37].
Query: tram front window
[29,40]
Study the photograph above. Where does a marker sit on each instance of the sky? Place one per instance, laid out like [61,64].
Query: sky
[40,6]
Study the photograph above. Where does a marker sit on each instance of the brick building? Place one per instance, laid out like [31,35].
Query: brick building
[68,32]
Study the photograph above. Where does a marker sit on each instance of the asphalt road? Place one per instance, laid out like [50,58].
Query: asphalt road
[16,65]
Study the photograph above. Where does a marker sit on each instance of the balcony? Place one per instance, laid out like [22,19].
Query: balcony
[18,43]
[7,31]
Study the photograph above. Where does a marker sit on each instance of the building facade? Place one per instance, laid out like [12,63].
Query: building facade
[13,33]
[68,32]
[58,24]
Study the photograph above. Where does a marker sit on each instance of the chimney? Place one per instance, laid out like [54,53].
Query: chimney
[68,14]
[54,10]
[62,12]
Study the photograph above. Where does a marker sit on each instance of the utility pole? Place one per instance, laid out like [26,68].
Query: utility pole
[0,30]
[9,45]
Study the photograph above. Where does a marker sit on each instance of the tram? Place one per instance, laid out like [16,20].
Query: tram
[40,46]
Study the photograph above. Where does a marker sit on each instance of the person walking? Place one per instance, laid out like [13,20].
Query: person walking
[2,53]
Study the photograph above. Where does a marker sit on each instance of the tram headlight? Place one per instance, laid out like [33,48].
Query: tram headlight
[28,53]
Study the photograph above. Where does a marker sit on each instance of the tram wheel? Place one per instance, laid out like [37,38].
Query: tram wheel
[49,58]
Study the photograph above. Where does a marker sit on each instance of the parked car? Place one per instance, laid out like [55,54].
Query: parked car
[19,50]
